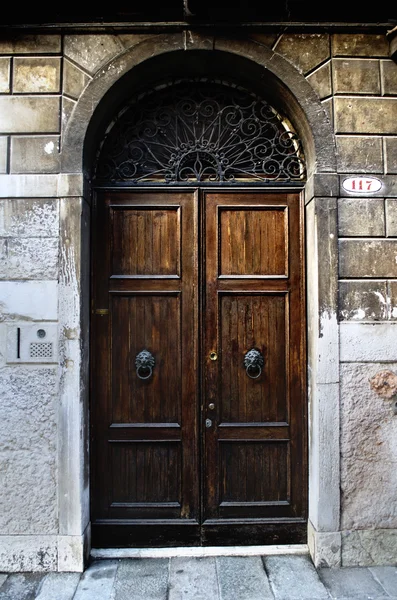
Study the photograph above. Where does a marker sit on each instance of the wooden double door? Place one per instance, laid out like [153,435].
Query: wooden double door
[198,407]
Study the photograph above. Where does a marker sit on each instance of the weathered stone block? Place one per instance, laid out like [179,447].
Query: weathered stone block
[5,75]
[325,547]
[363,301]
[391,217]
[36,75]
[368,451]
[29,462]
[198,41]
[26,300]
[369,547]
[305,51]
[29,114]
[361,217]
[74,80]
[266,39]
[35,154]
[329,107]
[30,258]
[3,154]
[365,115]
[367,342]
[71,552]
[358,154]
[30,44]
[28,450]
[372,258]
[359,44]
[67,108]
[391,155]
[23,553]
[320,80]
[392,287]
[356,76]
[92,51]
[132,39]
[389,77]
[29,218]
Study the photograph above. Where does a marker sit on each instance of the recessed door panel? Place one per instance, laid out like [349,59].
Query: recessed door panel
[248,321]
[149,322]
[253,241]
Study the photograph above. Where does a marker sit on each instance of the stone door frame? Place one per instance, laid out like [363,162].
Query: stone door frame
[308,115]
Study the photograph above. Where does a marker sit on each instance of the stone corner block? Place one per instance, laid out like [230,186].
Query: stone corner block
[71,553]
[325,547]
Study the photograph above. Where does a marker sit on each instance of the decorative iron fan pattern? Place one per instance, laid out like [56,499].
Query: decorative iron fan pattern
[200,131]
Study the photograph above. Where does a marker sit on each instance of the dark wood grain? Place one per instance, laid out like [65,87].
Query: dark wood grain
[181,288]
[254,299]
[144,432]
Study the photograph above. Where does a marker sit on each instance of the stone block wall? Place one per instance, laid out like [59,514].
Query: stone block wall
[42,78]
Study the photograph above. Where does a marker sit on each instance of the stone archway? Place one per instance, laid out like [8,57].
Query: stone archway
[295,97]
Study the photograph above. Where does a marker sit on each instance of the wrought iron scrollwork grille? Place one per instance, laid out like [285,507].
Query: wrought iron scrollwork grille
[200,131]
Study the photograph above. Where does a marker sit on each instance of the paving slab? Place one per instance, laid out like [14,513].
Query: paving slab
[3,577]
[242,578]
[21,586]
[58,586]
[142,579]
[351,582]
[193,579]
[387,577]
[97,582]
[294,578]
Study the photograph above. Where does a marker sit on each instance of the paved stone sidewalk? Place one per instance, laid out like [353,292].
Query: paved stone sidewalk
[210,578]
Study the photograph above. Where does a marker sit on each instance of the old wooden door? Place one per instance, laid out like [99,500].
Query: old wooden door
[198,368]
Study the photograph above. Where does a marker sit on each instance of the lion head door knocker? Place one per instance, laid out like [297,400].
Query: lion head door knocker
[144,363]
[253,363]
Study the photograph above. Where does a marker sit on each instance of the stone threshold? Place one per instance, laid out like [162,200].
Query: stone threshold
[200,551]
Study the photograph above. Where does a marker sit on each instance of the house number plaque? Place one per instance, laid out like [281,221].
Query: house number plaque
[362,185]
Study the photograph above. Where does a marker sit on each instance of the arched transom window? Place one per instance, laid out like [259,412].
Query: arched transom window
[199,131]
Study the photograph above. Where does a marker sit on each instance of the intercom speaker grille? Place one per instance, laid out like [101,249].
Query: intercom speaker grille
[41,350]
